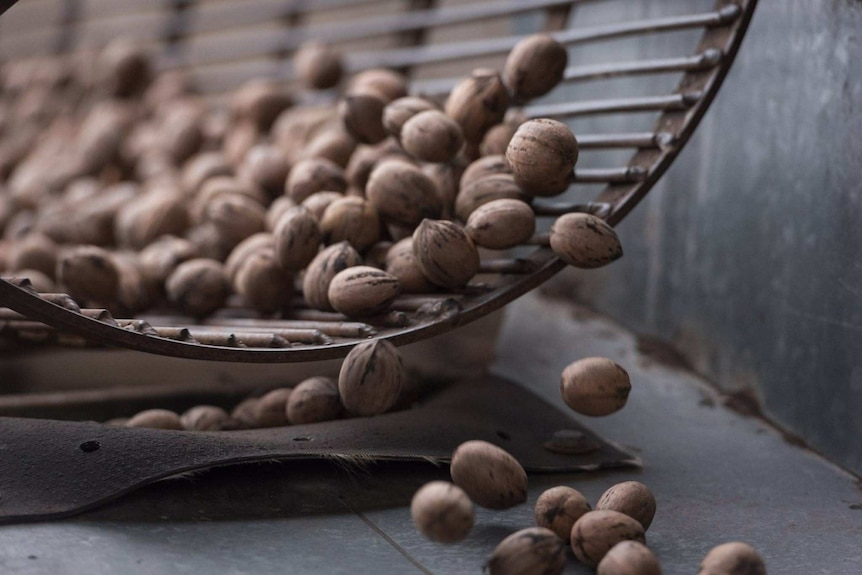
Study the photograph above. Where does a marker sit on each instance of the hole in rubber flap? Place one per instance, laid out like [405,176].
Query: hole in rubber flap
[302,438]
[503,435]
[90,446]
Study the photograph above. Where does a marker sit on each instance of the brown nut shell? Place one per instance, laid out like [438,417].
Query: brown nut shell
[198,287]
[389,83]
[490,475]
[442,512]
[497,139]
[371,377]
[477,103]
[402,193]
[271,409]
[202,167]
[483,167]
[265,167]
[297,238]
[531,551]
[401,263]
[585,241]
[558,508]
[353,220]
[365,159]
[735,558]
[629,558]
[432,136]
[235,216]
[155,419]
[542,155]
[535,66]
[595,386]
[325,266]
[445,253]
[314,175]
[159,259]
[501,224]
[259,102]
[204,418]
[317,203]
[318,65]
[632,498]
[597,532]
[397,112]
[487,189]
[34,251]
[333,143]
[262,283]
[362,291]
[361,112]
[89,274]
[155,214]
[313,400]
[258,242]
[277,209]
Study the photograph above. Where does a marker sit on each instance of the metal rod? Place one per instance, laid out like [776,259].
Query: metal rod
[613,106]
[506,266]
[546,208]
[632,140]
[335,328]
[609,175]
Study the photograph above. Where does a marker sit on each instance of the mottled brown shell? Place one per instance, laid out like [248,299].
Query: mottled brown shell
[402,194]
[325,266]
[432,136]
[277,209]
[735,558]
[487,189]
[585,241]
[244,249]
[89,274]
[497,139]
[204,418]
[260,101]
[535,66]
[33,251]
[313,400]
[314,175]
[271,409]
[235,216]
[389,83]
[198,287]
[353,220]
[445,178]
[632,498]
[155,419]
[484,167]
[297,238]
[629,558]
[397,112]
[490,475]
[333,143]
[597,532]
[364,160]
[542,156]
[531,551]
[445,253]
[401,263]
[477,103]
[362,291]
[501,224]
[558,508]
[361,111]
[371,377]
[266,167]
[318,65]
[595,386]
[157,213]
[161,257]
[442,512]
[318,203]
[262,283]
[218,186]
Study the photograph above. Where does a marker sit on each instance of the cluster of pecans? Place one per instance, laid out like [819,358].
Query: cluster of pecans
[128,191]
[370,382]
[609,538]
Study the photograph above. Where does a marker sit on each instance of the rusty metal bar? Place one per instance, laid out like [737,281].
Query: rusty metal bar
[614,106]
[607,175]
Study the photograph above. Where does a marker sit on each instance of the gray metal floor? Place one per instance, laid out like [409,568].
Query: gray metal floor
[717,476]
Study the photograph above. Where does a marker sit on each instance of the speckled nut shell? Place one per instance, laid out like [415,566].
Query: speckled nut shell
[243,412]
[271,409]
[276,210]
[133,292]
[202,167]
[157,213]
[244,249]
[361,111]
[317,203]
[235,216]
[445,253]
[397,112]
[364,160]
[241,138]
[477,103]
[198,287]
[483,167]
[266,167]
[318,65]
[595,386]
[34,251]
[262,283]
[632,498]
[401,263]
[389,83]
[371,377]
[124,69]
[204,418]
[314,175]
[260,101]
[535,66]
[218,186]
[442,512]
[89,274]
[558,508]
[155,419]
[362,291]
[734,558]
[295,127]
[497,139]
[353,220]
[585,241]
[402,194]
[542,155]
[531,551]
[445,178]
[321,270]
[161,257]
[38,281]
[501,224]
[432,136]
[487,189]
[490,475]
[297,238]
[313,400]
[629,558]
[332,143]
[596,533]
